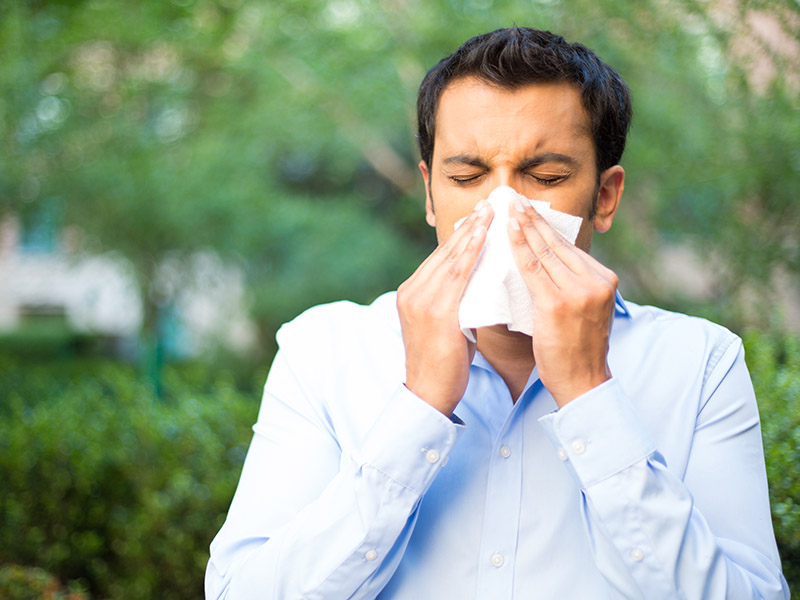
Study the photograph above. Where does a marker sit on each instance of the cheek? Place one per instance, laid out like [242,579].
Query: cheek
[577,200]
[444,228]
[584,239]
[449,208]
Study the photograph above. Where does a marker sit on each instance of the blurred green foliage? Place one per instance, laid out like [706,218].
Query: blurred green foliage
[774,362]
[25,583]
[280,136]
[105,484]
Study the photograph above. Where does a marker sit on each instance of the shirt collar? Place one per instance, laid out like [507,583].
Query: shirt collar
[619,306]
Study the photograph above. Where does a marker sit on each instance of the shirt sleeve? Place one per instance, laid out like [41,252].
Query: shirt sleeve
[309,520]
[707,535]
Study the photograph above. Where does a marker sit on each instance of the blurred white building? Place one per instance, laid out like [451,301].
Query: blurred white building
[43,276]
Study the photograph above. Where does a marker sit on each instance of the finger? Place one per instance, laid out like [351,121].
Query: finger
[455,272]
[599,267]
[577,260]
[438,291]
[549,256]
[452,248]
[581,263]
[529,265]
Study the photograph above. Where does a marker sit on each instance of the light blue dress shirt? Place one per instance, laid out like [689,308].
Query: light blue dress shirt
[651,485]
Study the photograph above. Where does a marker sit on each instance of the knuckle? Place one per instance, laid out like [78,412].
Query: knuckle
[532,265]
[410,303]
[401,301]
[455,271]
[520,242]
[547,253]
[556,305]
[452,255]
[584,299]
[609,294]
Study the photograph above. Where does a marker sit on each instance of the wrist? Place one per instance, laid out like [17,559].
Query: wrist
[444,405]
[566,395]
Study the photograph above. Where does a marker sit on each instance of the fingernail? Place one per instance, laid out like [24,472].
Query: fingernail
[480,206]
[519,205]
[514,224]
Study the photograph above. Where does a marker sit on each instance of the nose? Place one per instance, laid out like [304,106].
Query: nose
[505,177]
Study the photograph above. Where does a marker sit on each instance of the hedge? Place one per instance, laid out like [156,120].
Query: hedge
[774,363]
[113,491]
[107,486]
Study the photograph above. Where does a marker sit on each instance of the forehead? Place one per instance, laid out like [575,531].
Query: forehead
[486,117]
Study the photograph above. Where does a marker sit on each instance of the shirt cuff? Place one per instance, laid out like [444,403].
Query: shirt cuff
[410,441]
[599,433]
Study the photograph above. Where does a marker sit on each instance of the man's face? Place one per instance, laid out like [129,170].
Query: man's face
[536,139]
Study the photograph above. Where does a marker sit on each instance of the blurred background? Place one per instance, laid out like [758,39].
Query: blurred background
[178,178]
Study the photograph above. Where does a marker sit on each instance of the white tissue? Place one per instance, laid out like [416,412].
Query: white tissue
[496,294]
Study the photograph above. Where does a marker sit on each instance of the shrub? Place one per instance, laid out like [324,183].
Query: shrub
[24,583]
[104,483]
[774,362]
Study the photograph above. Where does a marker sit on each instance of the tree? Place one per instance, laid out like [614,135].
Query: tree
[279,135]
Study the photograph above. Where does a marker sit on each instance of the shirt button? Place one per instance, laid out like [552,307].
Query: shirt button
[432,456]
[371,555]
[637,555]
[497,560]
[579,447]
[505,451]
[562,454]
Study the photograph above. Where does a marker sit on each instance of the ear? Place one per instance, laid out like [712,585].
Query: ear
[430,217]
[612,182]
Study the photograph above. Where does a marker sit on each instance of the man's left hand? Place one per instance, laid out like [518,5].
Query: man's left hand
[573,303]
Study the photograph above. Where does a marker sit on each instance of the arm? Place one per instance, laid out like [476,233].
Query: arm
[653,534]
[310,520]
[707,536]
[307,522]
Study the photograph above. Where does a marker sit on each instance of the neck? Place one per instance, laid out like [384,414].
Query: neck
[510,354]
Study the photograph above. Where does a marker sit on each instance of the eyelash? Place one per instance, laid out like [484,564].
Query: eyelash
[548,180]
[465,180]
[542,180]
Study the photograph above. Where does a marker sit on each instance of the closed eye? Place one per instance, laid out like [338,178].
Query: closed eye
[465,179]
[548,179]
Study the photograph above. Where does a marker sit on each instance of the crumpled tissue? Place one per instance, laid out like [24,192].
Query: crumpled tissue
[496,294]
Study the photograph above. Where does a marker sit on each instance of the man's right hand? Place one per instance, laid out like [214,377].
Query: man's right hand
[438,355]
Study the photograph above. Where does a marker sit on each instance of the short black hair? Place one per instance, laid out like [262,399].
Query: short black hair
[518,56]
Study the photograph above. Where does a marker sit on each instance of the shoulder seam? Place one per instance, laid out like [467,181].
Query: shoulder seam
[717,355]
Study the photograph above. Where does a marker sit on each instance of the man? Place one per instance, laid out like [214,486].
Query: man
[615,453]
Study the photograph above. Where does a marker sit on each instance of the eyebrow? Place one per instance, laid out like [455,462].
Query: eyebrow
[466,159]
[534,161]
[547,157]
